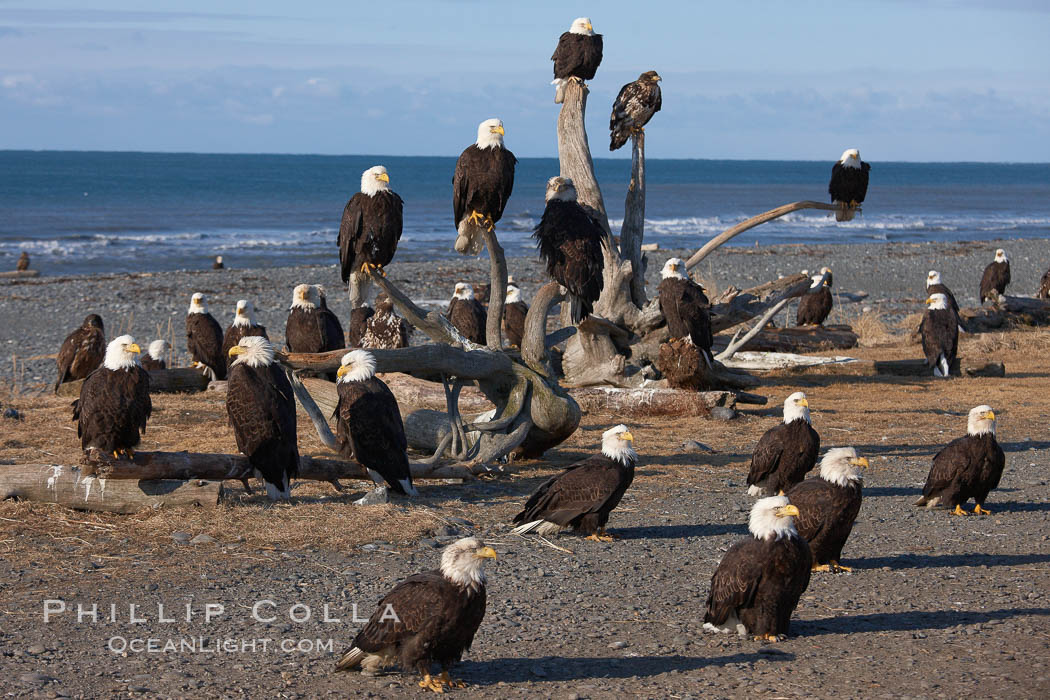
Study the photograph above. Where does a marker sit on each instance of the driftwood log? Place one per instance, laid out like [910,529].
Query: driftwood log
[1024,311]
[70,486]
[19,274]
[161,381]
[803,339]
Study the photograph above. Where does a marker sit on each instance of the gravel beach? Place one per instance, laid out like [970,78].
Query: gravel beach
[36,314]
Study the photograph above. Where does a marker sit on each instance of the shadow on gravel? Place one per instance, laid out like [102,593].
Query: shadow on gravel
[903,622]
[554,668]
[872,491]
[1016,507]
[674,532]
[1024,445]
[931,561]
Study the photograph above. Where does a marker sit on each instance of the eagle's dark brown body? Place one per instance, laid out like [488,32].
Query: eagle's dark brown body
[82,351]
[359,318]
[482,182]
[813,309]
[204,340]
[514,322]
[582,496]
[370,230]
[113,408]
[635,105]
[783,456]
[149,364]
[369,429]
[570,243]
[967,467]
[577,56]
[468,316]
[261,409]
[760,582]
[994,280]
[685,307]
[940,336]
[827,512]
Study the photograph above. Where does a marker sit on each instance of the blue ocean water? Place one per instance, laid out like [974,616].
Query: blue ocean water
[87,212]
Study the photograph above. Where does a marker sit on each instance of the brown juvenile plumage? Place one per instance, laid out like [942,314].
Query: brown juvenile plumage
[82,351]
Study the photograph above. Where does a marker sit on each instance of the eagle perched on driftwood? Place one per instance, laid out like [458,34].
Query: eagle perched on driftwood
[481,186]
[636,104]
[849,184]
[114,402]
[579,52]
[371,225]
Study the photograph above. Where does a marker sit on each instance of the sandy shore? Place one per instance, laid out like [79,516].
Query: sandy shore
[36,314]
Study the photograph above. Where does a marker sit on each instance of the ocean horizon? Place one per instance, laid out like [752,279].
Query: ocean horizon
[82,212]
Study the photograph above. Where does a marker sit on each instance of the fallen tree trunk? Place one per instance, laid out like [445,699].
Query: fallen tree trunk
[1026,311]
[644,403]
[19,274]
[70,486]
[803,339]
[161,381]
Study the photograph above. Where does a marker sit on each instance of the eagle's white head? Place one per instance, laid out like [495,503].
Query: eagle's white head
[773,517]
[1000,256]
[254,351]
[561,188]
[157,349]
[582,25]
[932,277]
[490,134]
[122,353]
[981,421]
[513,293]
[306,297]
[674,267]
[937,302]
[244,316]
[462,560]
[198,304]
[375,180]
[356,366]
[850,158]
[841,465]
[218,259]
[463,291]
[796,406]
[618,444]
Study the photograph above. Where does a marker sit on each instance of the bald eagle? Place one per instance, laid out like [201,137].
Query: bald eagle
[579,52]
[114,402]
[204,338]
[82,351]
[761,578]
[261,409]
[1044,286]
[217,265]
[514,312]
[333,328]
[828,506]
[154,357]
[685,307]
[995,278]
[385,329]
[814,307]
[481,186]
[582,496]
[23,262]
[309,328]
[849,184]
[784,454]
[636,104]
[934,285]
[359,318]
[466,313]
[570,242]
[967,467]
[371,226]
[940,335]
[243,326]
[435,617]
[369,424]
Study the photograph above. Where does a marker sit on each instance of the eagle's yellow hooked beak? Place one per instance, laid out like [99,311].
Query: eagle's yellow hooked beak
[627,436]
[485,553]
[803,402]
[134,347]
[383,177]
[343,369]
[235,351]
[860,462]
[929,300]
[498,129]
[590,28]
[990,415]
[785,511]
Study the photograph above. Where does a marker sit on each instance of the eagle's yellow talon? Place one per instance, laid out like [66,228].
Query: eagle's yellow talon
[444,678]
[767,638]
[958,511]
[429,683]
[978,510]
[835,566]
[821,567]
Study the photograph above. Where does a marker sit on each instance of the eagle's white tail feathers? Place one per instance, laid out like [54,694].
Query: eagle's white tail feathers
[350,659]
[540,527]
[406,484]
[943,361]
[756,491]
[276,492]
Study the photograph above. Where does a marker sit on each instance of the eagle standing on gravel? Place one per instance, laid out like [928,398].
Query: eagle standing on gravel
[967,467]
[761,578]
[481,186]
[582,496]
[828,506]
[435,617]
[784,454]
[940,335]
[114,402]
[261,408]
[154,357]
[570,242]
[995,278]
[82,351]
[514,313]
[636,104]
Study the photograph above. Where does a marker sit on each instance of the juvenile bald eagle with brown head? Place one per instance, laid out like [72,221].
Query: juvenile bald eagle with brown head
[849,184]
[428,618]
[570,243]
[23,262]
[243,326]
[481,186]
[204,338]
[636,104]
[261,409]
[82,351]
[784,454]
[114,402]
[760,580]
[995,278]
[583,496]
[466,314]
[828,506]
[967,467]
[368,423]
[385,329]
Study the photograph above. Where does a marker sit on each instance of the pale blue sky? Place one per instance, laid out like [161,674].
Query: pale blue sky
[899,79]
